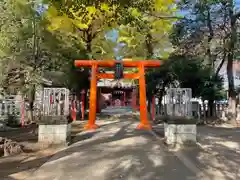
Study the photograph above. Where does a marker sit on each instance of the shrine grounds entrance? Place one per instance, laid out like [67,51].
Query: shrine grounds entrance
[140,75]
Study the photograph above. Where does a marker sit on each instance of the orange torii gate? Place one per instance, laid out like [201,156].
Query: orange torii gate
[94,64]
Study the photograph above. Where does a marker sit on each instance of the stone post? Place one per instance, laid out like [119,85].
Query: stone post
[54,130]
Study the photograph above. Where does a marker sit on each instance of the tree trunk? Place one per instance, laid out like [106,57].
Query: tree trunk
[31,103]
[149,99]
[210,37]
[211,107]
[231,89]
[88,40]
[231,48]
[149,41]
[224,42]
[160,101]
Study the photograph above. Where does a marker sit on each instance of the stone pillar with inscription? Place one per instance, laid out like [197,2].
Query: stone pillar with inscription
[179,124]
[55,123]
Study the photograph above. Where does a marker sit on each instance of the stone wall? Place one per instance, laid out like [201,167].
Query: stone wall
[180,133]
[54,134]
[54,130]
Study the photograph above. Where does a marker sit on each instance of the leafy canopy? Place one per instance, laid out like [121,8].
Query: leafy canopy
[85,20]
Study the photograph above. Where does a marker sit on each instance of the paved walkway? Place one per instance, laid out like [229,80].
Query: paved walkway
[217,154]
[115,151]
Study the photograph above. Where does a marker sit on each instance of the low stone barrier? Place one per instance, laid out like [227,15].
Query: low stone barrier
[54,130]
[180,134]
[178,131]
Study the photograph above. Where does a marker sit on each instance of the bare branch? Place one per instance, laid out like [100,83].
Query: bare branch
[237,15]
[221,63]
[163,16]
[94,35]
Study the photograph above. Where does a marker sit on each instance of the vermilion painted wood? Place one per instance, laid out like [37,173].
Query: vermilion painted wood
[73,110]
[111,76]
[111,63]
[144,124]
[93,100]
[83,103]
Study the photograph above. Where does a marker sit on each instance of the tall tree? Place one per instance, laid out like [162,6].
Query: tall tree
[211,30]
[25,51]
[230,57]
[84,21]
[148,26]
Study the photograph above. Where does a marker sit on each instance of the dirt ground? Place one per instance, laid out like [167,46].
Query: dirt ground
[217,153]
[220,150]
[21,166]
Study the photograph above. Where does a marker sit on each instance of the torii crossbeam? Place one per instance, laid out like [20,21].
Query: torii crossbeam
[140,75]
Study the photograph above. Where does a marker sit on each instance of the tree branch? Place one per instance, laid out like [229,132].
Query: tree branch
[163,16]
[221,63]
[94,35]
[237,15]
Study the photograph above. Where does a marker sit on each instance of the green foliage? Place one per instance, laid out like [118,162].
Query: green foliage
[203,31]
[134,19]
[213,89]
[186,72]
[28,50]
[87,22]
[207,32]
[147,26]
[199,77]
[15,41]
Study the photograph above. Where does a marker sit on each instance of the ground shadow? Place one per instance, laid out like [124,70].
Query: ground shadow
[22,134]
[81,137]
[16,164]
[126,154]
[219,152]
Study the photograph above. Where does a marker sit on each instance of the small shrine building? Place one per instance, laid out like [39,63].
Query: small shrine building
[115,93]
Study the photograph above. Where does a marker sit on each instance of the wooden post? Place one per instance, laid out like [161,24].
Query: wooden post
[83,103]
[153,107]
[144,124]
[124,98]
[134,99]
[23,113]
[93,99]
[111,100]
[73,110]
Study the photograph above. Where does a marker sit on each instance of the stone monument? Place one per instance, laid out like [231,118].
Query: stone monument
[179,125]
[55,123]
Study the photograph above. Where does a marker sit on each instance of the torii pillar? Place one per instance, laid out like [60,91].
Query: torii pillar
[95,64]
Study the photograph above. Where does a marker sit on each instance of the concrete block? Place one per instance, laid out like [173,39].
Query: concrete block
[54,134]
[180,133]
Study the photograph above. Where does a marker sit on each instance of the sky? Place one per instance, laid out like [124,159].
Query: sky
[238,3]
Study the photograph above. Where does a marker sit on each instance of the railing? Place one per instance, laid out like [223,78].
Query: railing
[198,111]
